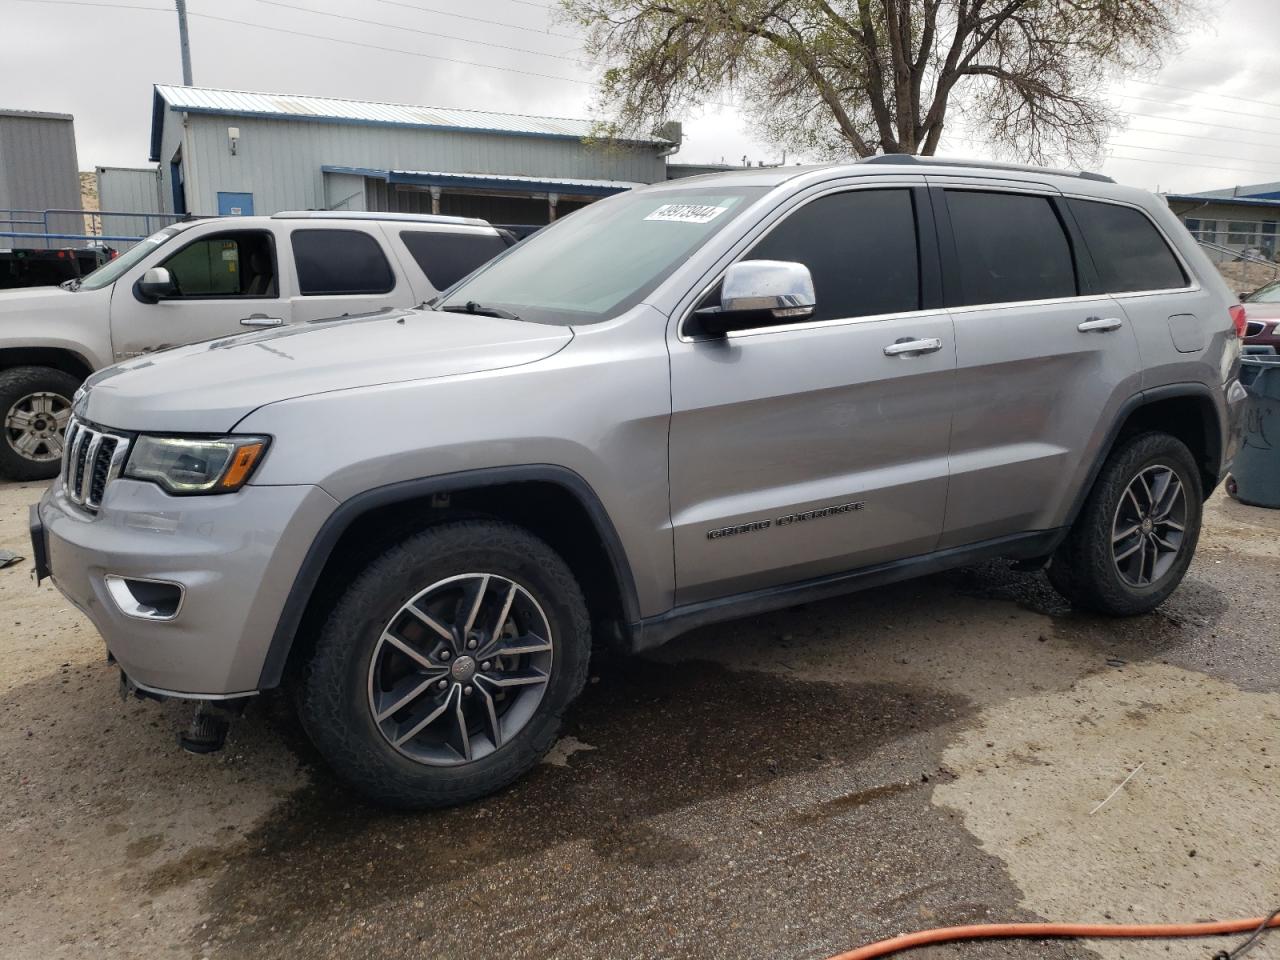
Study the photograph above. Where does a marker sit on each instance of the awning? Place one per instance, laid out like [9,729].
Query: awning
[497,182]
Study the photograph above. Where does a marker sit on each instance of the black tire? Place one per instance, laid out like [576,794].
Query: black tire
[1085,570]
[16,384]
[333,696]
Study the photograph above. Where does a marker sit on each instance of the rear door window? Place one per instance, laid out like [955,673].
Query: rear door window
[335,262]
[1010,247]
[232,264]
[446,257]
[860,248]
[1128,251]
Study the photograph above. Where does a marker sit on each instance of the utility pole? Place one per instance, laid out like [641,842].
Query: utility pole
[184,41]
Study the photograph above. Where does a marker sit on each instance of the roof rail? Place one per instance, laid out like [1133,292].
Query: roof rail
[374,215]
[910,158]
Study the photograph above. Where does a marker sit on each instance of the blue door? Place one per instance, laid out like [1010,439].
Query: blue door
[235,204]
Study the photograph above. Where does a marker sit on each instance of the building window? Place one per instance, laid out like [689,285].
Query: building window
[1242,233]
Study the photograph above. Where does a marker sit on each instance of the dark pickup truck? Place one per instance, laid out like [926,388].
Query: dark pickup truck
[48,268]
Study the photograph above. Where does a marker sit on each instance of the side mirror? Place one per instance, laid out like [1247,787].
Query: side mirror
[154,285]
[760,293]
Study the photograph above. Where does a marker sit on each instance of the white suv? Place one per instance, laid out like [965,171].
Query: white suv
[206,278]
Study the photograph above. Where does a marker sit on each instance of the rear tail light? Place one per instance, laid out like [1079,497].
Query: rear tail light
[1238,318]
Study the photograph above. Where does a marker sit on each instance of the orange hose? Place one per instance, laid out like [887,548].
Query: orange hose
[990,931]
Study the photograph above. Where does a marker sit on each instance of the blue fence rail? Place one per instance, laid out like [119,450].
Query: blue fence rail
[43,219]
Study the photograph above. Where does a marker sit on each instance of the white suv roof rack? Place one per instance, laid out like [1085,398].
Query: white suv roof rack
[374,215]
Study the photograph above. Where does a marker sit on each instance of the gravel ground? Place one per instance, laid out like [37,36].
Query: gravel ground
[783,787]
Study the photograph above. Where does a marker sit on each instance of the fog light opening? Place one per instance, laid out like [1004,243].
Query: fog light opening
[145,599]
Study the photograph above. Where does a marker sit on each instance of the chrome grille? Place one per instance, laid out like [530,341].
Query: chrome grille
[91,460]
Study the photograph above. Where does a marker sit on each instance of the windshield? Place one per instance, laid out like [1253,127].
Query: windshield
[603,259]
[111,271]
[1267,294]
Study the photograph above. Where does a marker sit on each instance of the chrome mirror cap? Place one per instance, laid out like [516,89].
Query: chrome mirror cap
[782,287]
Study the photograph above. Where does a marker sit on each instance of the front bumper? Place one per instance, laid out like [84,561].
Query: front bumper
[234,556]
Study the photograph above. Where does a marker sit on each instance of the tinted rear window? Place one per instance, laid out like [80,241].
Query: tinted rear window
[1128,251]
[332,262]
[447,257]
[1010,246]
[860,248]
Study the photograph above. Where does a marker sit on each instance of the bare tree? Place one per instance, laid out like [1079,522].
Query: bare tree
[837,77]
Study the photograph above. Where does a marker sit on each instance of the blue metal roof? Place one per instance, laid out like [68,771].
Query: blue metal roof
[1229,201]
[281,106]
[493,181]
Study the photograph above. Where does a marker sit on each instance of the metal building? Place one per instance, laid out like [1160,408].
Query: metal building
[128,190]
[231,152]
[38,172]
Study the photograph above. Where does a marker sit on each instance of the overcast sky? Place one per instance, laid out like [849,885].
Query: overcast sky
[98,59]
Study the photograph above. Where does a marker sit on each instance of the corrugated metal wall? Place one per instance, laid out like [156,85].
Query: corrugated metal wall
[279,161]
[38,171]
[133,189]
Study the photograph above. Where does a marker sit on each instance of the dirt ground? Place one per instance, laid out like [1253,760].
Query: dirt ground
[784,787]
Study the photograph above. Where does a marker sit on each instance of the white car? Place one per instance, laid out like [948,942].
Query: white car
[206,278]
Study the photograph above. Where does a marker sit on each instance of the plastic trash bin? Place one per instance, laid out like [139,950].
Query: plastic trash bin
[1256,470]
[1252,364]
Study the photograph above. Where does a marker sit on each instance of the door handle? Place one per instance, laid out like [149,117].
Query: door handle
[261,320]
[909,347]
[1100,325]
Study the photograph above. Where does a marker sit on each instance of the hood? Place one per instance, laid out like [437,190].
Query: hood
[208,387]
[22,302]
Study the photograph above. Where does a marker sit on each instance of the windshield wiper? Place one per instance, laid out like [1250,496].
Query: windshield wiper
[73,284]
[479,309]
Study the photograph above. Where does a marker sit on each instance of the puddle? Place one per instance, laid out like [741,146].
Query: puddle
[665,736]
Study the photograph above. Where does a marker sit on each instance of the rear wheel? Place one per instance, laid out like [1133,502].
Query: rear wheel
[1135,537]
[443,671]
[35,403]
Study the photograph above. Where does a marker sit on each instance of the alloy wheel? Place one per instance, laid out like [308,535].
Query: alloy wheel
[460,669]
[1149,527]
[36,424]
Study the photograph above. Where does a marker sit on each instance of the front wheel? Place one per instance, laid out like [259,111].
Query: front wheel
[35,403]
[444,669]
[1134,539]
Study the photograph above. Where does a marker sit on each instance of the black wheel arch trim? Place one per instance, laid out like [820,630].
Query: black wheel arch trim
[351,509]
[1142,398]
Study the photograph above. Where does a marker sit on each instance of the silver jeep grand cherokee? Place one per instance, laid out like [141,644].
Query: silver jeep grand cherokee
[693,401]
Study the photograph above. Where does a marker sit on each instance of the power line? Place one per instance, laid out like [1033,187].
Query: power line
[375,46]
[1197,123]
[1187,153]
[491,23]
[91,3]
[429,33]
[1195,166]
[1201,136]
[489,66]
[1206,93]
[313,36]
[1173,103]
[1175,163]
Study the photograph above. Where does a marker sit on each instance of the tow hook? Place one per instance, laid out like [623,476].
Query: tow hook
[207,732]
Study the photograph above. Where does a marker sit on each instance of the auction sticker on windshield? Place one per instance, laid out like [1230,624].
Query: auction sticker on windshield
[687,212]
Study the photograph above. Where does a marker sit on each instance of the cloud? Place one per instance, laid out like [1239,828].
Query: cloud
[99,64]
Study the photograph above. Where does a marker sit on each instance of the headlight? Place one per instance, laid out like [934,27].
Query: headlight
[195,465]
